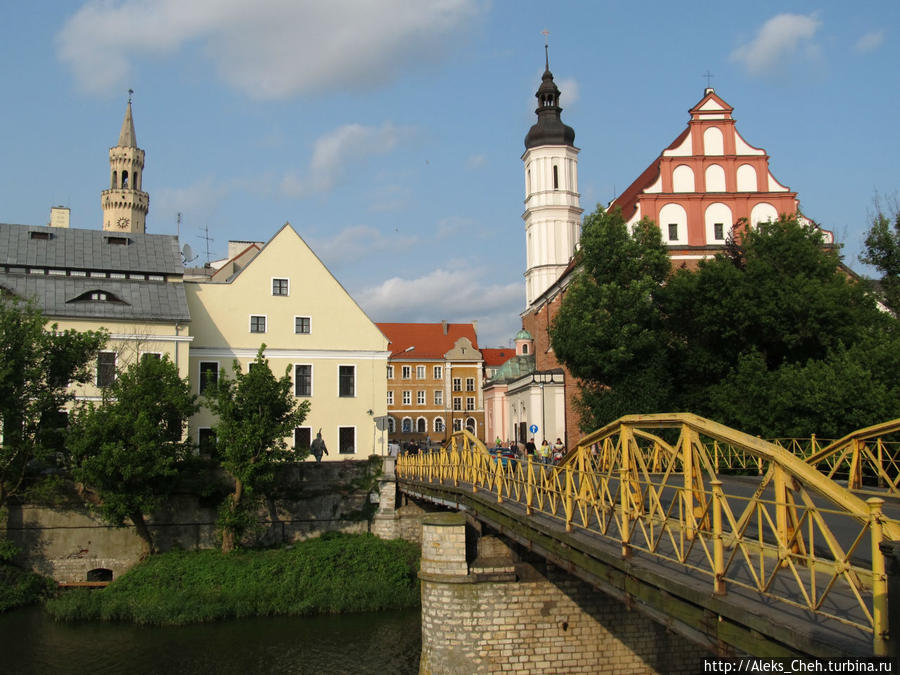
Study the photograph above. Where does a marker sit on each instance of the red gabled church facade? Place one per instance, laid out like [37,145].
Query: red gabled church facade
[704,183]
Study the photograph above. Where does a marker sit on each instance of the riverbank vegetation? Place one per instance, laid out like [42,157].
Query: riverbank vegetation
[335,573]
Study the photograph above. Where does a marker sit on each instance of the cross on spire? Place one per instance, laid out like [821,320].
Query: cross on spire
[130,92]
[708,75]
[546,34]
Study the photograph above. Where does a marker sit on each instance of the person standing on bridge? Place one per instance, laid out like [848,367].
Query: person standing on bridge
[530,448]
[318,447]
[545,452]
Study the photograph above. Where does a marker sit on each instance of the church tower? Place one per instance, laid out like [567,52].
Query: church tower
[125,206]
[552,211]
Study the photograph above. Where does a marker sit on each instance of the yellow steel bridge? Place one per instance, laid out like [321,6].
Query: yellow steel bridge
[768,547]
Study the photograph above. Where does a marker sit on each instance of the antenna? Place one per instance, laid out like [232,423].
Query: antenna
[178,225]
[207,239]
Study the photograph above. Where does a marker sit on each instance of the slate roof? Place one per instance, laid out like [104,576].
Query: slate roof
[78,249]
[426,339]
[58,297]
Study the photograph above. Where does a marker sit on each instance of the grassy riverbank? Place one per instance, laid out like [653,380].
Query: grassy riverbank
[334,573]
[19,587]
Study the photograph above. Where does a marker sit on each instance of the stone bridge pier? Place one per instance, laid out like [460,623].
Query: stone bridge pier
[489,606]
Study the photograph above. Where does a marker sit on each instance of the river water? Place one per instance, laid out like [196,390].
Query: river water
[386,642]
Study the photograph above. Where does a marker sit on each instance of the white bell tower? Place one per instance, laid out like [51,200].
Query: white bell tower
[552,210]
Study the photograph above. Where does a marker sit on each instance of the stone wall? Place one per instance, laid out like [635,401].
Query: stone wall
[507,615]
[67,543]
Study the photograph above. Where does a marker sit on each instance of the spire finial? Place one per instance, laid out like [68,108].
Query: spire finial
[130,92]
[546,34]
[708,75]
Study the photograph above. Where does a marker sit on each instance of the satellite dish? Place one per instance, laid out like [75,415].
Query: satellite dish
[187,254]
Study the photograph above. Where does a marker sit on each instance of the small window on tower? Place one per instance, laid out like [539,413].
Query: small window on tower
[555,177]
[673,231]
[124,180]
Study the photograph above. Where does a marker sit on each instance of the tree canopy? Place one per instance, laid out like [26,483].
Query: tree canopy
[128,448]
[882,250]
[772,336]
[256,412]
[37,365]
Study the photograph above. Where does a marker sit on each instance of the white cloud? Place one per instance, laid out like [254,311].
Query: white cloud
[457,294]
[870,41]
[355,243]
[782,39]
[268,49]
[568,92]
[196,201]
[335,151]
[476,161]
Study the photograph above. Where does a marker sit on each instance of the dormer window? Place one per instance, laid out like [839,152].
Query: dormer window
[117,241]
[40,235]
[97,295]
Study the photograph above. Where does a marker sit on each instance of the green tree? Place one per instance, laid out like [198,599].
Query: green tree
[128,449]
[256,412]
[883,252]
[607,330]
[37,365]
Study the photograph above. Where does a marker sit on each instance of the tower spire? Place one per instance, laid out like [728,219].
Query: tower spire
[125,205]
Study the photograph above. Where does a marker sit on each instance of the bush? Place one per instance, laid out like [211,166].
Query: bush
[333,574]
[18,587]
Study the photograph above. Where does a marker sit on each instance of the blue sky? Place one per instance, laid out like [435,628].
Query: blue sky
[389,132]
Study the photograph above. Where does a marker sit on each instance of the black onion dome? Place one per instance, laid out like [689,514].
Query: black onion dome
[549,129]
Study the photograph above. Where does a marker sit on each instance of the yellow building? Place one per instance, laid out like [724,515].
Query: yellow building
[285,297]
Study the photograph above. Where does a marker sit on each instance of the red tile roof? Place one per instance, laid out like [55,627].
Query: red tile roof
[494,357]
[426,340]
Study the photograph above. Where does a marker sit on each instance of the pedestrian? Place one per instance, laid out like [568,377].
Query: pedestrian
[545,452]
[530,447]
[318,447]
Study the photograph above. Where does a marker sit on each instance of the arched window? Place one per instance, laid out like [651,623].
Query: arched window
[715,178]
[406,425]
[524,349]
[673,223]
[124,180]
[713,141]
[439,425]
[683,179]
[392,425]
[421,425]
[136,183]
[763,212]
[457,424]
[471,425]
[718,220]
[746,178]
[115,177]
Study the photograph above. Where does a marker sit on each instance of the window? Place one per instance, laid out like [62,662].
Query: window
[525,349]
[420,398]
[470,403]
[457,384]
[151,355]
[719,230]
[206,442]
[302,438]
[346,382]
[106,368]
[390,398]
[347,440]
[390,372]
[555,177]
[457,425]
[420,372]
[257,323]
[406,372]
[439,424]
[280,286]
[303,380]
[470,425]
[209,374]
[457,403]
[406,425]
[407,398]
[673,231]
[392,425]
[301,325]
[421,425]
[439,397]
[438,372]
[470,384]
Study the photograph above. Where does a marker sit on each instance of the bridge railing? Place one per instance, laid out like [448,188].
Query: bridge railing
[654,484]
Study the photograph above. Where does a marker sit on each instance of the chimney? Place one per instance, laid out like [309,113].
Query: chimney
[444,325]
[59,216]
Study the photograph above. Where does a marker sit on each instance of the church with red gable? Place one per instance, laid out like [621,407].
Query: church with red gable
[708,181]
